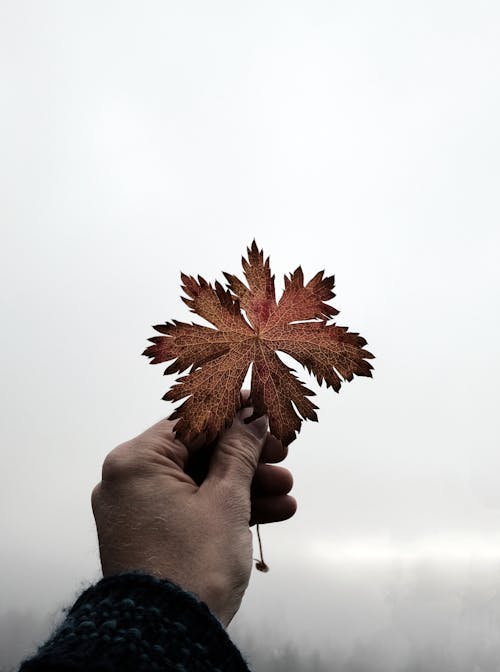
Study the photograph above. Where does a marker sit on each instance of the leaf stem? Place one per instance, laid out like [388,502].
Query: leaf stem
[260,564]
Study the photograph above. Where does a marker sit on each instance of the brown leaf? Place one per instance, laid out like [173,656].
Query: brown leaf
[250,327]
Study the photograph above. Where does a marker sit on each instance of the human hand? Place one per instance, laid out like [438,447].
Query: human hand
[153,515]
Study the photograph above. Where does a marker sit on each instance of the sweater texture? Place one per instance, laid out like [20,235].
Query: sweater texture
[137,622]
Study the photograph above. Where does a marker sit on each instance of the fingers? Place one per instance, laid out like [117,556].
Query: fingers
[273,451]
[272,509]
[270,500]
[200,455]
[270,480]
[194,457]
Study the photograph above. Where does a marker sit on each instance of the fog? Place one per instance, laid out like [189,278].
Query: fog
[393,616]
[141,140]
[383,616]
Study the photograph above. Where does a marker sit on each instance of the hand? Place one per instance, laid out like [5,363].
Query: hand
[152,515]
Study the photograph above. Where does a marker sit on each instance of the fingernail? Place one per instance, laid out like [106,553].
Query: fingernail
[259,427]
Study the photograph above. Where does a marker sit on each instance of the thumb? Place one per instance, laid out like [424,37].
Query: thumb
[237,452]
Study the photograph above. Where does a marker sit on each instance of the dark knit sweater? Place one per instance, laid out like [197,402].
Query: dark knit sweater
[135,622]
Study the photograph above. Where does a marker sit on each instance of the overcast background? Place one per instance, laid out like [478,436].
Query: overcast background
[139,139]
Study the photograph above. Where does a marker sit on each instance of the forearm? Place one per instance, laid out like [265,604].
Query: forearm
[137,622]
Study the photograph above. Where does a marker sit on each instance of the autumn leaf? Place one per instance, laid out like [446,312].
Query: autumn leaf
[250,328]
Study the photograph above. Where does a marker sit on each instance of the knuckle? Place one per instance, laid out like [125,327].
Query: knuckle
[119,463]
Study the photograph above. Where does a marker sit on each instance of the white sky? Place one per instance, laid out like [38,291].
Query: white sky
[142,139]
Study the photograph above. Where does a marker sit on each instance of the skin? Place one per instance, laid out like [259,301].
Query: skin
[152,513]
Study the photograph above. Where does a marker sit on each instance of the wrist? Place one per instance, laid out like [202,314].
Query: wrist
[210,587]
[213,588]
[221,598]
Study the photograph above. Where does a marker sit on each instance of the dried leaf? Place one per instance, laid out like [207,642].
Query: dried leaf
[250,327]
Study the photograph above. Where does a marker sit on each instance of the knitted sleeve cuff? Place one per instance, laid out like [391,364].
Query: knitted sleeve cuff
[137,622]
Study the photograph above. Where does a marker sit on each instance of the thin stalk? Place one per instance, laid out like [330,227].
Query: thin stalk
[260,564]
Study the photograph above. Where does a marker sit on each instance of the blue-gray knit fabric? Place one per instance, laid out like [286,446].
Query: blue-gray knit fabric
[135,622]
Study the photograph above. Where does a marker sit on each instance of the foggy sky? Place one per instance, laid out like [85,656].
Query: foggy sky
[141,140]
